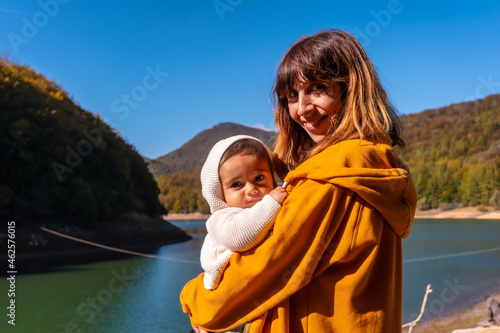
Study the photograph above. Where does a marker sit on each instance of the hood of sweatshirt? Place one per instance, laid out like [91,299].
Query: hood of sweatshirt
[210,181]
[371,170]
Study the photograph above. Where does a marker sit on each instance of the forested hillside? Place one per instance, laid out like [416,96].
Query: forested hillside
[453,152]
[60,162]
[180,192]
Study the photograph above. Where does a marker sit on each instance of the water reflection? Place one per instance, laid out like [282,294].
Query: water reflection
[194,228]
[457,281]
[152,301]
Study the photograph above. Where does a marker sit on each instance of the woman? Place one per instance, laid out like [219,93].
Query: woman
[334,261]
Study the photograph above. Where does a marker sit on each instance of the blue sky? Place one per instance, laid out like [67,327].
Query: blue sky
[162,71]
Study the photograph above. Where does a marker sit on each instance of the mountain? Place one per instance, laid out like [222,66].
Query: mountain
[453,153]
[61,162]
[63,168]
[194,152]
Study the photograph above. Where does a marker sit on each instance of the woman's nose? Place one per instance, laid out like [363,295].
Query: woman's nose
[304,103]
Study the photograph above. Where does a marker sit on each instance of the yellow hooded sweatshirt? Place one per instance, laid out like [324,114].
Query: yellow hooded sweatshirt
[333,262]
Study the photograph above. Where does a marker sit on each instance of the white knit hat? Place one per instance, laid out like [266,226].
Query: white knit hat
[210,184]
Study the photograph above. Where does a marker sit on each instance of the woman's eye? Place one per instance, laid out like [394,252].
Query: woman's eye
[318,88]
[292,96]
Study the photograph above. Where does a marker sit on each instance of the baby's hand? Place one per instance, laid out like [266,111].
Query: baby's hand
[279,194]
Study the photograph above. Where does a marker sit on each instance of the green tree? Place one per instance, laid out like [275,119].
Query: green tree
[62,162]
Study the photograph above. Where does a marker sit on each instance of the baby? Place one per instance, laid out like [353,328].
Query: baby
[238,183]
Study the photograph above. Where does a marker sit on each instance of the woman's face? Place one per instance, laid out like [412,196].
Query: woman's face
[314,106]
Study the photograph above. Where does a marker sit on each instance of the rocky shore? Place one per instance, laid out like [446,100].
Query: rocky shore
[461,322]
[44,247]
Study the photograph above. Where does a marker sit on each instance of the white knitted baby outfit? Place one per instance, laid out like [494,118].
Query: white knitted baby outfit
[230,229]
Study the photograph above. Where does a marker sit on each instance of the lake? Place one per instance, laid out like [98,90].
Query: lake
[460,258]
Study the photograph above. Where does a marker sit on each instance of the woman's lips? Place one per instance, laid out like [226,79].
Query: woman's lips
[313,124]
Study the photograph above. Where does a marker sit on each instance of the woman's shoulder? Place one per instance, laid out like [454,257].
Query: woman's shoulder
[356,153]
[346,157]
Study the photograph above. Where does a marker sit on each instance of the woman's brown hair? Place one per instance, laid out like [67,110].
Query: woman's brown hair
[335,57]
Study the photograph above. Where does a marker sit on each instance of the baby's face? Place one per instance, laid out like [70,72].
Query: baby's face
[245,180]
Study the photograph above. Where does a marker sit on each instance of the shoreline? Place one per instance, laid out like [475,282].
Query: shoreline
[184,217]
[455,213]
[459,213]
[62,244]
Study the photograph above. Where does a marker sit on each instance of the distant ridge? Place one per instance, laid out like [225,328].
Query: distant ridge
[453,153]
[194,152]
